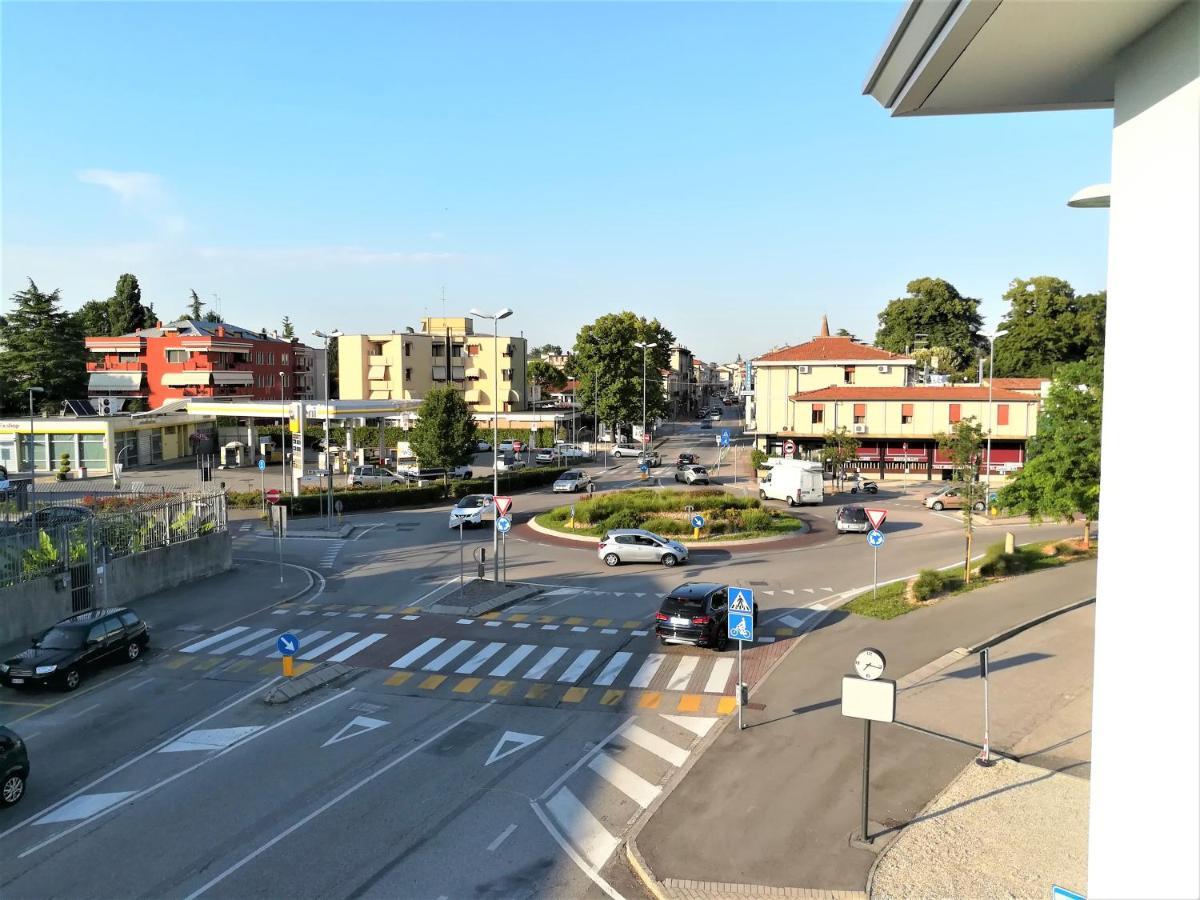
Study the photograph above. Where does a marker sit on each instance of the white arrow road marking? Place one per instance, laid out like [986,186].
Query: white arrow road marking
[827,589]
[362,724]
[697,725]
[809,591]
[769,593]
[519,740]
[789,591]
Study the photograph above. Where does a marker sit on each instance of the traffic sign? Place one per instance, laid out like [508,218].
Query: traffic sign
[643,468]
[724,441]
[273,495]
[697,521]
[262,464]
[645,438]
[725,434]
[502,504]
[789,448]
[740,624]
[741,600]
[875,538]
[288,644]
[503,524]
[876,516]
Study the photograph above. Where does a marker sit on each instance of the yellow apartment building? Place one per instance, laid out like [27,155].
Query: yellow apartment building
[445,350]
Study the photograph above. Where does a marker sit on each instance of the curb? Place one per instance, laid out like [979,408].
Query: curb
[532,524]
[1036,620]
[308,682]
[519,592]
[300,593]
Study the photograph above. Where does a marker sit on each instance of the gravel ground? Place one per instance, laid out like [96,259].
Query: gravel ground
[954,850]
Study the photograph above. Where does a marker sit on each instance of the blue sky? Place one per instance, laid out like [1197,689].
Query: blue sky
[713,165]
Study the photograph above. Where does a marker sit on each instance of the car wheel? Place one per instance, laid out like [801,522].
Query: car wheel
[611,559]
[13,790]
[70,679]
[762,495]
[978,507]
[133,651]
[854,490]
[791,501]
[722,640]
[939,506]
[669,560]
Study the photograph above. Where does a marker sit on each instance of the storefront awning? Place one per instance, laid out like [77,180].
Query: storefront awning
[472,372]
[377,373]
[114,381]
[473,396]
[184,379]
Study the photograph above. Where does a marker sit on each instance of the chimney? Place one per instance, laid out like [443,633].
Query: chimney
[824,326]
[158,324]
[220,331]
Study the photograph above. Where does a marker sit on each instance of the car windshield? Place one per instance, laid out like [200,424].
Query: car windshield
[854,514]
[699,470]
[472,501]
[571,476]
[61,639]
[683,604]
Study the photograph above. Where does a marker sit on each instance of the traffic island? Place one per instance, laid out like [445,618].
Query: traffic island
[476,596]
[316,677]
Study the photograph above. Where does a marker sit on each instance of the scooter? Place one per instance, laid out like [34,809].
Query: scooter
[868,487]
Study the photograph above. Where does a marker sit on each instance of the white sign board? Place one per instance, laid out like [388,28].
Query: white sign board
[874,700]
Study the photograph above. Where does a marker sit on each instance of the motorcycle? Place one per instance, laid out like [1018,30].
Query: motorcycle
[868,487]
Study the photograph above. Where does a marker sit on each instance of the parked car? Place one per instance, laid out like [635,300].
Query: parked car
[702,412]
[695,613]
[425,476]
[462,472]
[706,424]
[692,475]
[546,455]
[506,446]
[622,450]
[61,655]
[685,459]
[570,451]
[650,458]
[374,476]
[51,516]
[852,518]
[637,545]
[950,498]
[509,465]
[481,446]
[473,509]
[14,767]
[714,413]
[572,481]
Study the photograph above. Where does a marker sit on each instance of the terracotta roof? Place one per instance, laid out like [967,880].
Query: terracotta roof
[915,392]
[1014,384]
[831,348]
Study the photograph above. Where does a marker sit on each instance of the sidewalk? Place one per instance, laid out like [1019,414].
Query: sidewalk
[783,796]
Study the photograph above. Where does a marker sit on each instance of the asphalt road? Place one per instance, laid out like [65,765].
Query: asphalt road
[504,756]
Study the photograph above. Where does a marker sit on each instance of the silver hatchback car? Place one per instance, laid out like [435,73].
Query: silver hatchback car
[635,545]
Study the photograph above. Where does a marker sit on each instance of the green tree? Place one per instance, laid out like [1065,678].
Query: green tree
[545,350]
[195,307]
[544,375]
[964,445]
[289,330]
[1047,325]
[444,434]
[606,363]
[125,310]
[92,319]
[936,314]
[43,346]
[841,448]
[1061,476]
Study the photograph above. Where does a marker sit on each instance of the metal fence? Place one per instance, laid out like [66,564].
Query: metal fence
[35,547]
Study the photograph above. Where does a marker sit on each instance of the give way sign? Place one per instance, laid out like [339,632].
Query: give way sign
[502,504]
[876,516]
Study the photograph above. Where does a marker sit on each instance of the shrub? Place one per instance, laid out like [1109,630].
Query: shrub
[755,520]
[929,583]
[666,525]
[1003,564]
[64,467]
[757,458]
[624,518]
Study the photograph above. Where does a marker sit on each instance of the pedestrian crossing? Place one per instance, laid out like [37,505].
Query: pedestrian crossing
[330,554]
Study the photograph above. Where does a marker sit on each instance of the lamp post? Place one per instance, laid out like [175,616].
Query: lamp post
[644,347]
[501,314]
[282,438]
[328,460]
[33,460]
[987,475]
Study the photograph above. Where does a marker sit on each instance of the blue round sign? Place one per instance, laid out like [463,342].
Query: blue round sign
[644,468]
[288,644]
[875,537]
[503,524]
[697,521]
[262,464]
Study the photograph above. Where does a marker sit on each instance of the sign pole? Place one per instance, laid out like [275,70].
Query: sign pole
[279,539]
[460,557]
[875,578]
[741,695]
[866,779]
[262,471]
[504,551]
[984,758]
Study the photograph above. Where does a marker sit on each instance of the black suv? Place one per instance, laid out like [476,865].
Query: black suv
[695,613]
[66,651]
[14,767]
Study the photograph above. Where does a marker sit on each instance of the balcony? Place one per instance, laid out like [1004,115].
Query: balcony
[377,360]
[107,366]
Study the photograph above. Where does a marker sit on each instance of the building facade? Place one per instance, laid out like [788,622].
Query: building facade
[680,382]
[445,351]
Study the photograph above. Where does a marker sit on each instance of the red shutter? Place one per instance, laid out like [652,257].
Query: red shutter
[818,406]
[906,409]
[1002,414]
[955,412]
[860,409]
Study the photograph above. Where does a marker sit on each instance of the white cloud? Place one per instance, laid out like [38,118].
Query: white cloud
[143,194]
[332,255]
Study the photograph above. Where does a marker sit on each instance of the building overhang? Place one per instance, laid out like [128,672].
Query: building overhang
[953,57]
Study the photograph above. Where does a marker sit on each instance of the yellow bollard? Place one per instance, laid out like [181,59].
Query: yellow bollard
[287,667]
[695,534]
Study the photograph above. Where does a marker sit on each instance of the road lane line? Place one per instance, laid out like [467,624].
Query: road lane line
[610,672]
[624,779]
[502,837]
[145,681]
[578,667]
[583,865]
[328,645]
[86,709]
[311,636]
[214,639]
[440,662]
[661,747]
[332,802]
[356,647]
[583,829]
[646,673]
[513,660]
[469,667]
[719,676]
[542,666]
[416,653]
[683,673]
[255,635]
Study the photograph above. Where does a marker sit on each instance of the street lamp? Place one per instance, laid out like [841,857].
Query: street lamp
[987,475]
[328,459]
[501,314]
[283,439]
[644,347]
[33,461]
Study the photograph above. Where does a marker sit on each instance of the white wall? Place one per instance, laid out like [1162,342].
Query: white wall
[1143,830]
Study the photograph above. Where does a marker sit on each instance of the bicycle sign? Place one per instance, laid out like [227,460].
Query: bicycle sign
[740,628]
[739,624]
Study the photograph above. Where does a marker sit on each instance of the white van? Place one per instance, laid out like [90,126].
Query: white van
[797,482]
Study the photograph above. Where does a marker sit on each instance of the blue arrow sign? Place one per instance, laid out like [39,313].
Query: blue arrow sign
[725,434]
[725,440]
[288,644]
[262,464]
[644,468]
[875,537]
[503,524]
[697,521]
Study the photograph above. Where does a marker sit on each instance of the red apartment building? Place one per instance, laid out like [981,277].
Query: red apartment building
[190,358]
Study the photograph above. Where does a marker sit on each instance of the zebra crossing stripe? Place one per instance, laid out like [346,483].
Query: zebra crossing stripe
[646,672]
[469,667]
[416,653]
[660,747]
[792,622]
[514,659]
[440,662]
[624,779]
[582,828]
[311,636]
[327,646]
[578,667]
[215,639]
[362,644]
[683,673]
[718,677]
[542,666]
[613,668]
[243,640]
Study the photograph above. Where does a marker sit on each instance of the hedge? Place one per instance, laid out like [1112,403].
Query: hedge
[368,436]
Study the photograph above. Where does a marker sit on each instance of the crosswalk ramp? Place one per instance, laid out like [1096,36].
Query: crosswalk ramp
[599,799]
[330,554]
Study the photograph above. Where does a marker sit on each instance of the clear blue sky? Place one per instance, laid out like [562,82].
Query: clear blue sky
[713,165]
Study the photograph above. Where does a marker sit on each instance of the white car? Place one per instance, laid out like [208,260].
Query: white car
[506,446]
[462,472]
[473,509]
[570,451]
[509,465]
[571,481]
[626,450]
[373,476]
[482,446]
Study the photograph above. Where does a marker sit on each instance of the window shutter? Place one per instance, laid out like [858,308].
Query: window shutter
[1002,414]
[955,412]
[860,409]
[906,409]
[818,407]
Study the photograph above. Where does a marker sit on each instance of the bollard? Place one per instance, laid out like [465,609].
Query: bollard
[695,534]
[287,667]
[1010,542]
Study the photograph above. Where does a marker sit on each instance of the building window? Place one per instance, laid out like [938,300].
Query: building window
[472,349]
[283,358]
[906,413]
[848,375]
[860,413]
[1002,414]
[818,413]
[177,356]
[408,348]
[91,447]
[408,374]
[955,412]
[127,357]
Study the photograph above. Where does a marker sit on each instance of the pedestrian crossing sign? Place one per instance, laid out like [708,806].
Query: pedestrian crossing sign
[741,600]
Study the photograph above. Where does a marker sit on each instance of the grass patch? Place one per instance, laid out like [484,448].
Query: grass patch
[888,605]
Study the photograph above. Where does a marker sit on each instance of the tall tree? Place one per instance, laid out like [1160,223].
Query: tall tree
[212,316]
[195,306]
[125,310]
[935,314]
[608,365]
[43,347]
[544,375]
[289,330]
[964,445]
[1061,476]
[1047,325]
[444,434]
[545,350]
[92,319]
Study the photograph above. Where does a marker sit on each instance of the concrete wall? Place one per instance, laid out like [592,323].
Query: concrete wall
[31,607]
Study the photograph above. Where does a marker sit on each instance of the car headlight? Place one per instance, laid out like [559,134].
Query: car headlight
[45,670]
[3,668]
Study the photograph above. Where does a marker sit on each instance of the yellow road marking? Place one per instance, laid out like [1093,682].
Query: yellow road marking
[410,610]
[784,632]
[632,623]
[650,700]
[490,615]
[467,685]
[432,682]
[574,695]
[399,678]
[205,664]
[501,688]
[179,662]
[600,623]
[726,705]
[537,692]
[303,667]
[546,620]
[269,669]
[518,617]
[359,608]
[574,620]
[689,703]
[240,664]
[611,698]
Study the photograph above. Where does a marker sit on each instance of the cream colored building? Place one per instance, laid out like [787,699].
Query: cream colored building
[445,350]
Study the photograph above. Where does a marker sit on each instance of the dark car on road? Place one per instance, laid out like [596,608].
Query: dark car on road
[14,767]
[695,613]
[852,518]
[50,516]
[685,459]
[62,655]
